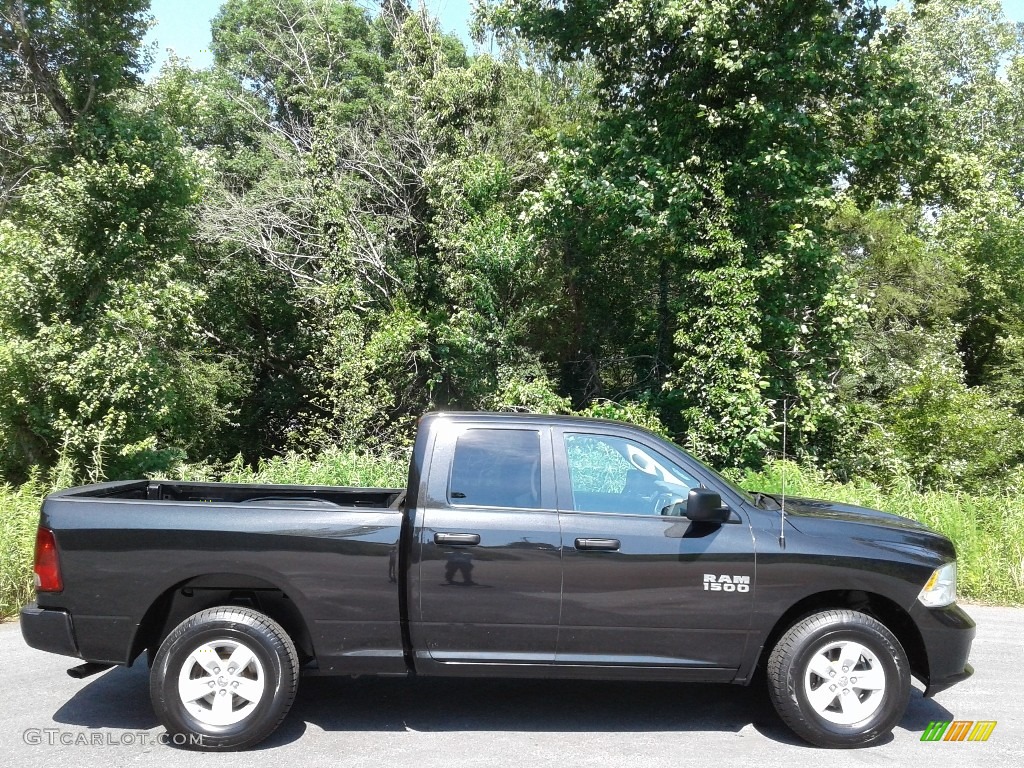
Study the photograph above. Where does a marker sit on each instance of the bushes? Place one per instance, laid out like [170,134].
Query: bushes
[955,436]
[332,467]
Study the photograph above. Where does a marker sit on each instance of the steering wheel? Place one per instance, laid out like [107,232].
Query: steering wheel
[662,501]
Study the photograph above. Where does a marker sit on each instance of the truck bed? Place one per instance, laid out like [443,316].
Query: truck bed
[234,493]
[139,556]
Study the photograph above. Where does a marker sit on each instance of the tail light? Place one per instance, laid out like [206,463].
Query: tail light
[47,565]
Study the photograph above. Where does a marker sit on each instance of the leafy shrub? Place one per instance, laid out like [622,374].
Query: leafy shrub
[954,436]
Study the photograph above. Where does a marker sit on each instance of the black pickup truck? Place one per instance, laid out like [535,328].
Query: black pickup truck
[524,546]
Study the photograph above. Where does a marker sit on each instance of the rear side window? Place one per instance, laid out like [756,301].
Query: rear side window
[496,468]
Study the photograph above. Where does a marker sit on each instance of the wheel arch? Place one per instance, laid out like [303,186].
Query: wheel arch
[879,607]
[203,591]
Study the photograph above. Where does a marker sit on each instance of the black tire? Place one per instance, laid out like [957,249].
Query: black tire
[224,719]
[821,643]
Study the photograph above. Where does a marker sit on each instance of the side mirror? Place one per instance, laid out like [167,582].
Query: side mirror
[705,506]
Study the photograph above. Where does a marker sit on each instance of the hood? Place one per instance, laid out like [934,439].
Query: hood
[815,517]
[850,513]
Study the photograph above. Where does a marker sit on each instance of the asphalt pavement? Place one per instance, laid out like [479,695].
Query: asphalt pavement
[49,719]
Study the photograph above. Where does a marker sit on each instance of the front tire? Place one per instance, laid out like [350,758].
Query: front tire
[839,678]
[224,679]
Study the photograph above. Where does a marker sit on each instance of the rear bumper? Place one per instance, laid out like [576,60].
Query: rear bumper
[947,634]
[49,629]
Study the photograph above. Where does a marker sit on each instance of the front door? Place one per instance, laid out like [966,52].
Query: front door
[642,585]
[488,581]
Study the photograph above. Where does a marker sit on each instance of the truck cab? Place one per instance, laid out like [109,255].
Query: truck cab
[568,545]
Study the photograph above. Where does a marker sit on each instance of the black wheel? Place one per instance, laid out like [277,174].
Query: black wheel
[839,679]
[224,679]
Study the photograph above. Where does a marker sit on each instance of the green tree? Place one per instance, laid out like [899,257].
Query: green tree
[101,359]
[73,53]
[101,356]
[385,194]
[61,64]
[697,206]
[970,56]
[941,271]
[305,60]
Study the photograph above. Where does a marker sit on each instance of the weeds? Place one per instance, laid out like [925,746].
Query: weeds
[19,516]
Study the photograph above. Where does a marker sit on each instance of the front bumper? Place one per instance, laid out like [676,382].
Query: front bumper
[49,629]
[947,634]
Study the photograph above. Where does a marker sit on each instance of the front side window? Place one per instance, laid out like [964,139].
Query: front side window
[496,468]
[615,474]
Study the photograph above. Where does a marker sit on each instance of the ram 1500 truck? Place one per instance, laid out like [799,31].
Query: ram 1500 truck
[523,546]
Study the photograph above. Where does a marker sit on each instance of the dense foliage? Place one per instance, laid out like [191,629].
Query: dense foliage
[710,216]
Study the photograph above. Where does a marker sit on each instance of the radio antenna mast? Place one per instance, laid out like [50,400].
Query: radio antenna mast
[782,514]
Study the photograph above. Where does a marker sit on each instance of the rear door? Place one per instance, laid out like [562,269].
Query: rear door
[487,587]
[642,585]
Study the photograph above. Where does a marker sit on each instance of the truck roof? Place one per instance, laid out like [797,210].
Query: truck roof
[531,418]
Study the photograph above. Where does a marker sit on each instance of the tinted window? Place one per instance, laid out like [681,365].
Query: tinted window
[496,468]
[613,474]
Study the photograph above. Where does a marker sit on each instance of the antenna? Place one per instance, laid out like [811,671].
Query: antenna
[782,514]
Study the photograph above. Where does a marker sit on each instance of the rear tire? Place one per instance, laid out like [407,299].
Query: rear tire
[224,679]
[839,679]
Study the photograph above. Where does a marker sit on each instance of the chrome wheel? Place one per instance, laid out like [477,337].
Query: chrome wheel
[221,682]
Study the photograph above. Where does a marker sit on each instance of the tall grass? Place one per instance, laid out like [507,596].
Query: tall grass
[987,530]
[19,513]
[329,468]
[19,516]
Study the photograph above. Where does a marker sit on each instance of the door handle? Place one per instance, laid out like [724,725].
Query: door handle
[457,539]
[598,545]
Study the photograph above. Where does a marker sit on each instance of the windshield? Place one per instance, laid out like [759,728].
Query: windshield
[719,477]
[745,495]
